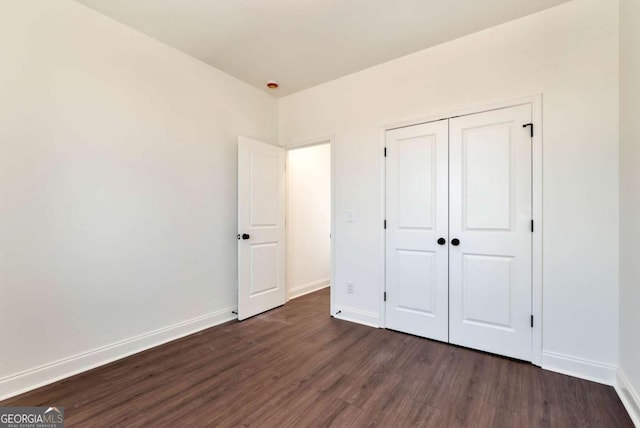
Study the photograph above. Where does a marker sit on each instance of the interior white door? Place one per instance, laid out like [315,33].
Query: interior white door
[416,214]
[261,228]
[490,231]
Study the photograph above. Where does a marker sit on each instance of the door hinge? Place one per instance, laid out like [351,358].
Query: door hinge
[531,321]
[385,296]
[384,224]
[531,225]
[385,152]
[530,125]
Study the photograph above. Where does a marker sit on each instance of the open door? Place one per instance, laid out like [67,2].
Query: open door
[261,229]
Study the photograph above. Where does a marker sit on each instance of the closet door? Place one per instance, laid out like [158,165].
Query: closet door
[416,233]
[490,231]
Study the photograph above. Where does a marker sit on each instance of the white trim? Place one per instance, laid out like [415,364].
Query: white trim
[383,232]
[309,287]
[332,257]
[578,367]
[327,139]
[629,396]
[536,182]
[536,242]
[48,373]
[367,318]
[448,114]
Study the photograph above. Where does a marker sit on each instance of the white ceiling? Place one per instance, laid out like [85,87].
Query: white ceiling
[302,43]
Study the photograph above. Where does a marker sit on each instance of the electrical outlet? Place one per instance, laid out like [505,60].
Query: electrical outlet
[350,286]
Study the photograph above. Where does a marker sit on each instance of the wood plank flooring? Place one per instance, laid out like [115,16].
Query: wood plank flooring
[296,366]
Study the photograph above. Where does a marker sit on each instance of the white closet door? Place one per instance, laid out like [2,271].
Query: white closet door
[416,265]
[261,232]
[490,215]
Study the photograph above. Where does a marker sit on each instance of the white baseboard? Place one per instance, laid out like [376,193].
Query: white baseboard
[581,368]
[310,287]
[370,319]
[43,375]
[629,396]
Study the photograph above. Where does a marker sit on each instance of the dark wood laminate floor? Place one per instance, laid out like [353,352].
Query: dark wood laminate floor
[296,366]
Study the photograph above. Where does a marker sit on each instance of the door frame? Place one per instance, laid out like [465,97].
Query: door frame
[536,202]
[328,139]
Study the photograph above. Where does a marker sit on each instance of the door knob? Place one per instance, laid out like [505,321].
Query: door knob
[246,236]
[455,242]
[442,241]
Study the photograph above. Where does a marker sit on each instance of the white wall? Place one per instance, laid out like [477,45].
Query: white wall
[630,199]
[570,55]
[118,189]
[308,219]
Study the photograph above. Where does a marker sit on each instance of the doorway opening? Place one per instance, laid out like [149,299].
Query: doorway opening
[308,219]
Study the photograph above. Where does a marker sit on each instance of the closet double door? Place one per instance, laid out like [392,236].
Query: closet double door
[458,235]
